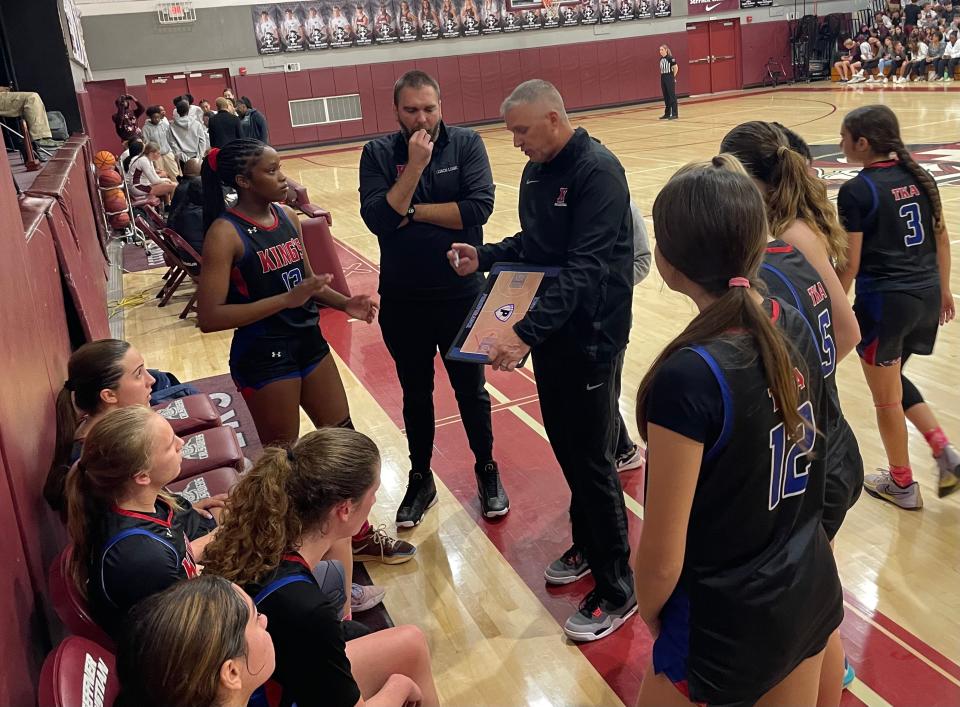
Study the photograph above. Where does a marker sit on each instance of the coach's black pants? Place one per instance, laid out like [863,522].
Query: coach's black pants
[413,332]
[668,84]
[578,400]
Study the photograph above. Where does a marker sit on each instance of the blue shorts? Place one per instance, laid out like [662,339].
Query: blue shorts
[257,361]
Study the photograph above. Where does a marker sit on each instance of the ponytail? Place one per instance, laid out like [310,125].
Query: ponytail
[711,227]
[286,495]
[82,507]
[92,368]
[879,126]
[792,193]
[220,168]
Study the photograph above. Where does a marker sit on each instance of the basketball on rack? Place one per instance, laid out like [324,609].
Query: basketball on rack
[112,193]
[109,177]
[120,221]
[117,202]
[104,160]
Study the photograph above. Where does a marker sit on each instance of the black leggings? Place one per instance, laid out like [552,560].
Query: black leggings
[668,84]
[911,395]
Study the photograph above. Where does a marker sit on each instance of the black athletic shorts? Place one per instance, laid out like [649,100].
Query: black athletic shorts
[256,361]
[893,324]
[844,477]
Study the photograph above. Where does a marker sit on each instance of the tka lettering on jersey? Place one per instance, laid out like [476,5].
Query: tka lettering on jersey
[188,563]
[801,384]
[817,292]
[906,192]
[95,673]
[279,256]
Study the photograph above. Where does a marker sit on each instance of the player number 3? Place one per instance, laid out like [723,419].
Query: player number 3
[911,212]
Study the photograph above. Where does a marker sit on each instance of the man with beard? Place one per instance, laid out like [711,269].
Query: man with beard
[422,189]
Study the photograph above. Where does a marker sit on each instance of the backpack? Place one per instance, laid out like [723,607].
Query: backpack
[58,125]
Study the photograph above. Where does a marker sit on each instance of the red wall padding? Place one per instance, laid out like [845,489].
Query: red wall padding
[760,42]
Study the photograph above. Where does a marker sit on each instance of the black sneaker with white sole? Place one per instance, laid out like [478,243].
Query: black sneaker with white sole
[570,567]
[421,494]
[597,618]
[493,497]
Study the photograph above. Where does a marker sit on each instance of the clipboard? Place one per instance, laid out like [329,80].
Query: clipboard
[512,290]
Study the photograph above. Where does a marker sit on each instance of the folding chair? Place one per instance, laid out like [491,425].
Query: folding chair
[180,244]
[178,272]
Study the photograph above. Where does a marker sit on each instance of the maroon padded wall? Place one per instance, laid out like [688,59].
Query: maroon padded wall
[760,42]
[97,107]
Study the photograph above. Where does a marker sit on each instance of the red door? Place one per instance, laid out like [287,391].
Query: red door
[698,66]
[723,51]
[208,84]
[163,88]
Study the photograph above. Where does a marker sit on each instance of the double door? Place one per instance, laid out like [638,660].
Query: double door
[713,48]
[163,88]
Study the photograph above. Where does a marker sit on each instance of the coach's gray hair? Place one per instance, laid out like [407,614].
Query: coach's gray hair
[533,91]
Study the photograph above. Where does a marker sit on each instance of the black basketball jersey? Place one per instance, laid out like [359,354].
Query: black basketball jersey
[759,590]
[887,204]
[789,277]
[272,264]
[139,554]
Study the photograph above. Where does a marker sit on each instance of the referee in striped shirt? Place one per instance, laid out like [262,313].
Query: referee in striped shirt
[668,83]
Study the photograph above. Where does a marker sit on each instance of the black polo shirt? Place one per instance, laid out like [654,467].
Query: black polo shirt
[413,259]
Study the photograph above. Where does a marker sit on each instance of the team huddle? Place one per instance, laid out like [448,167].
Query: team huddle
[751,466]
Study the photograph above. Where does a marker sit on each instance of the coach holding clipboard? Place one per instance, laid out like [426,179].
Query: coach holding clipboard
[421,189]
[574,213]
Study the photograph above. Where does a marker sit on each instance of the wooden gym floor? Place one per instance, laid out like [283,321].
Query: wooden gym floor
[476,587]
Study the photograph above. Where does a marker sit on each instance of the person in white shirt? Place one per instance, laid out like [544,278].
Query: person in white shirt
[856,65]
[918,60]
[156,129]
[143,178]
[951,57]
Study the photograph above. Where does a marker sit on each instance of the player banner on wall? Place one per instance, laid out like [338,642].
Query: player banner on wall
[747,4]
[337,24]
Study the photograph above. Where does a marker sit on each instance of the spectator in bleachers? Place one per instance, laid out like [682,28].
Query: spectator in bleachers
[134,149]
[205,632]
[870,59]
[252,123]
[283,517]
[29,106]
[917,53]
[157,131]
[848,59]
[143,179]
[224,125]
[127,117]
[186,209]
[188,138]
[887,60]
[934,54]
[101,376]
[950,58]
[131,538]
[911,16]
[928,17]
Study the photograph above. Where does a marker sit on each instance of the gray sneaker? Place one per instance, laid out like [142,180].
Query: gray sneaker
[949,464]
[597,618]
[881,485]
[571,566]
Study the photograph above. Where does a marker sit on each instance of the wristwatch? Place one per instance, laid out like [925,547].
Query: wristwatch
[411,211]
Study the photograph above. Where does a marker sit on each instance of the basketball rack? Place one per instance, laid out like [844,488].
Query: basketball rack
[130,233]
[176,13]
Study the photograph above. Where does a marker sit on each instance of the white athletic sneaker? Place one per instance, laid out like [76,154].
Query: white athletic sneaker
[881,485]
[870,79]
[917,78]
[634,458]
[364,598]
[884,80]
[948,464]
[947,78]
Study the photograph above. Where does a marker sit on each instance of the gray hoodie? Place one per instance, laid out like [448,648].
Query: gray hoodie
[188,138]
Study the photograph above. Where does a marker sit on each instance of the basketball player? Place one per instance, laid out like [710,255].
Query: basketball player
[285,515]
[574,213]
[130,537]
[899,254]
[740,591]
[257,279]
[421,189]
[206,631]
[408,21]
[428,15]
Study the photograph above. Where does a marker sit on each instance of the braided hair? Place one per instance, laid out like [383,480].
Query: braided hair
[220,168]
[878,125]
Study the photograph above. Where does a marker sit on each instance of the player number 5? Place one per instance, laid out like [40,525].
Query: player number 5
[911,212]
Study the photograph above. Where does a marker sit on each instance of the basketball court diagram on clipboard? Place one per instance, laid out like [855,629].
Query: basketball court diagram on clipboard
[512,291]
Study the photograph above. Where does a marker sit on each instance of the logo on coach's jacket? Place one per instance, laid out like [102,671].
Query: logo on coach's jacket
[561,197]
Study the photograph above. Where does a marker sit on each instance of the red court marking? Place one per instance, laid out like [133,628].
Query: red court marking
[537,529]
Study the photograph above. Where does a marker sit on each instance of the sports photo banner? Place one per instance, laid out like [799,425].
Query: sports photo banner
[319,25]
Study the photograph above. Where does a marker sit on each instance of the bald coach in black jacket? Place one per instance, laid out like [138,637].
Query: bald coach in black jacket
[574,213]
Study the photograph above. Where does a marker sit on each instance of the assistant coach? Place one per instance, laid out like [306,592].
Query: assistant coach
[421,189]
[574,213]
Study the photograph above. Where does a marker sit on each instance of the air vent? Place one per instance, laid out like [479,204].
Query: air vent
[320,111]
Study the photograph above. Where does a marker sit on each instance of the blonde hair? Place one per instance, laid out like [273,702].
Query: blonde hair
[286,495]
[792,193]
[118,448]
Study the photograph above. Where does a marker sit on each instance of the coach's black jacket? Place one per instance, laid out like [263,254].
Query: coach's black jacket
[413,259]
[575,213]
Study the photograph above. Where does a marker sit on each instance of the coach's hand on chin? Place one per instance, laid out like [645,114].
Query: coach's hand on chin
[507,351]
[463,258]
